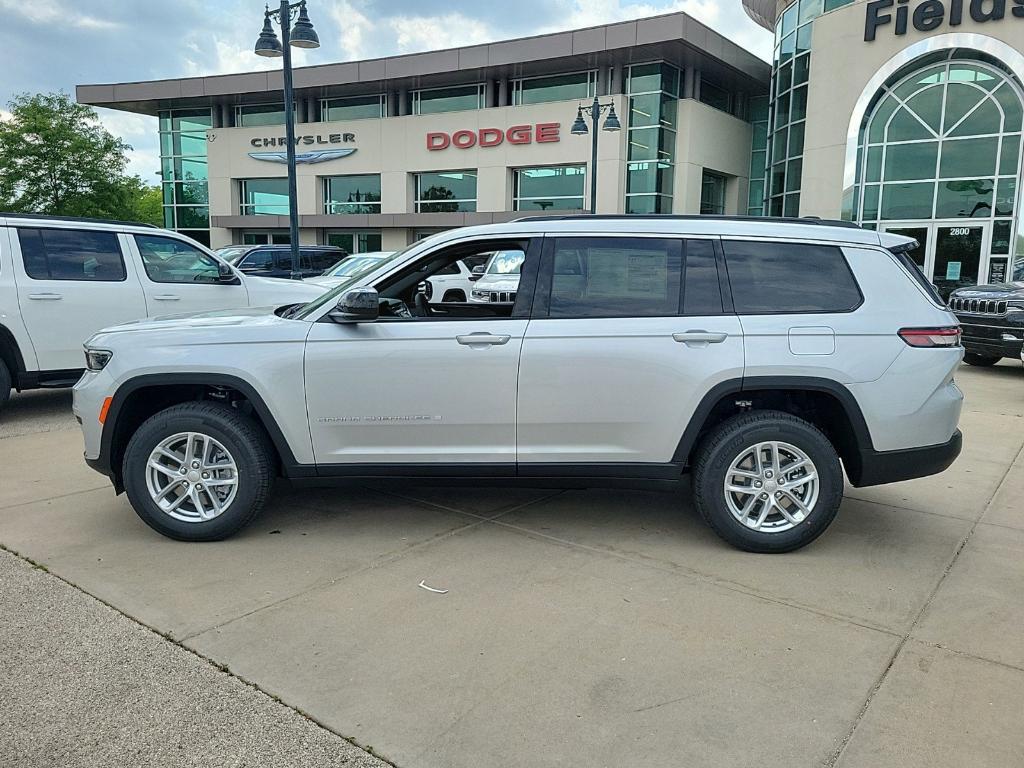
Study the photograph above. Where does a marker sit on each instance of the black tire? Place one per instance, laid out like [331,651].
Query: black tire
[454,295]
[5,384]
[725,443]
[982,361]
[244,439]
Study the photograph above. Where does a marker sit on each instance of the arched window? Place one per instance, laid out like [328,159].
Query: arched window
[944,143]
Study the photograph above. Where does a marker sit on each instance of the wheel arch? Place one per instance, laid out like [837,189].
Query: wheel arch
[10,354]
[139,398]
[827,404]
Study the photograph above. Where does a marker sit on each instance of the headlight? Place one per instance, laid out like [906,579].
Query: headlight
[97,359]
[1015,306]
[481,294]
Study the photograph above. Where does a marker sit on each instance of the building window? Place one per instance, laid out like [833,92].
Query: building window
[352,194]
[455,99]
[446,192]
[651,137]
[183,171]
[254,115]
[355,241]
[264,197]
[758,155]
[352,108]
[265,237]
[536,90]
[552,188]
[715,96]
[712,193]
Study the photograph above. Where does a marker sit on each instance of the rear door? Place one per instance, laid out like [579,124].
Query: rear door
[71,283]
[177,277]
[628,334]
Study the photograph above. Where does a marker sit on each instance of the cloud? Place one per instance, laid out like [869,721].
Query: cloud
[425,33]
[355,27]
[56,12]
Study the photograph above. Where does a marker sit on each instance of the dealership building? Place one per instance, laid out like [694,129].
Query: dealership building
[902,115]
[395,148]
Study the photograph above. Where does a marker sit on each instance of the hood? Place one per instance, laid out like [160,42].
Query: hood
[221,318]
[992,291]
[326,282]
[268,290]
[497,283]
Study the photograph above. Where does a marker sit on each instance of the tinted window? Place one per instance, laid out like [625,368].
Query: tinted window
[258,260]
[71,254]
[701,292]
[168,260]
[319,260]
[789,277]
[615,277]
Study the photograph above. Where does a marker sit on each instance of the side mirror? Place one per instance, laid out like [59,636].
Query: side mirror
[224,272]
[477,272]
[358,305]
[427,289]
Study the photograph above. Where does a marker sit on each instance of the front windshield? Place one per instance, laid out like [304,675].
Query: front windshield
[506,263]
[331,297]
[231,255]
[353,265]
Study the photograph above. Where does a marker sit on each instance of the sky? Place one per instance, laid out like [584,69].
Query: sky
[52,45]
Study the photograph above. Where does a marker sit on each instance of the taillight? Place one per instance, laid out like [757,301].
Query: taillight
[931,337]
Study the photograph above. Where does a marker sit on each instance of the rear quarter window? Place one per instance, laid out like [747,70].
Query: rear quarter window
[779,278]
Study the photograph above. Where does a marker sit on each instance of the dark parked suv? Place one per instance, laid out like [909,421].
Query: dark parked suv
[276,260]
[992,319]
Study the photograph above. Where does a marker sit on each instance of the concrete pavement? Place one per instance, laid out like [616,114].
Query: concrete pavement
[584,627]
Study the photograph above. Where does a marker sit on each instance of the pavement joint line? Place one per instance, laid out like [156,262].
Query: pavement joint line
[699,577]
[380,562]
[222,668]
[967,654]
[475,515]
[848,737]
[913,509]
[53,498]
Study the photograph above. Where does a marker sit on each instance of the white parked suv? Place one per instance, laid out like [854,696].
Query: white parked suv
[762,356]
[61,280]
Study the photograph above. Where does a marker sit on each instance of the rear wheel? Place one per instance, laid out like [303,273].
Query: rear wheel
[767,482]
[5,384]
[198,471]
[982,361]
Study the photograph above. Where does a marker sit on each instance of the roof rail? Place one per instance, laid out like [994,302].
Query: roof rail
[79,219]
[694,217]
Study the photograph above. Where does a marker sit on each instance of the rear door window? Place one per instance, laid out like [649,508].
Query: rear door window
[319,260]
[71,254]
[614,277]
[779,278]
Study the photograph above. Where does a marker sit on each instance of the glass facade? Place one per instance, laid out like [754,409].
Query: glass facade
[184,173]
[653,93]
[263,197]
[352,108]
[536,90]
[352,194]
[944,143]
[455,99]
[758,155]
[787,112]
[355,241]
[712,193]
[551,188]
[254,115]
[446,192]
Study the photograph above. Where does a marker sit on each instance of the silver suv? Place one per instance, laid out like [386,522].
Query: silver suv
[763,357]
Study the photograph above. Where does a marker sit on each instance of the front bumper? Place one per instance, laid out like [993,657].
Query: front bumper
[881,467]
[995,336]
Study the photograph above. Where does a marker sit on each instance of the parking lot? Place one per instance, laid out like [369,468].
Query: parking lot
[598,628]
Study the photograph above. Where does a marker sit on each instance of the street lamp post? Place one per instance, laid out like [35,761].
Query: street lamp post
[302,35]
[579,128]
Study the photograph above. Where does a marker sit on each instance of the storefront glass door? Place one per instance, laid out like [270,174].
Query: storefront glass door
[951,254]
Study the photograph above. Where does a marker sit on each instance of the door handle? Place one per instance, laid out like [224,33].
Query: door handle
[45,296]
[482,339]
[699,338]
[166,297]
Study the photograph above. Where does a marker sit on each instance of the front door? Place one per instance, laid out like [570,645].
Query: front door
[423,384]
[951,254]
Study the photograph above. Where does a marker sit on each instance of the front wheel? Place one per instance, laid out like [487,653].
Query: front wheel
[982,361]
[767,482]
[5,384]
[198,471]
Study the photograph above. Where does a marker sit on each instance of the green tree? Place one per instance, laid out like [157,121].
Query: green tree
[56,159]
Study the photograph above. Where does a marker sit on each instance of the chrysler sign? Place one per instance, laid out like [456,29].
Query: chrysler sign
[932,14]
[541,133]
[307,156]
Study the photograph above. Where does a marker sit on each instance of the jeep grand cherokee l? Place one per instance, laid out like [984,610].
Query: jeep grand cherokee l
[763,357]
